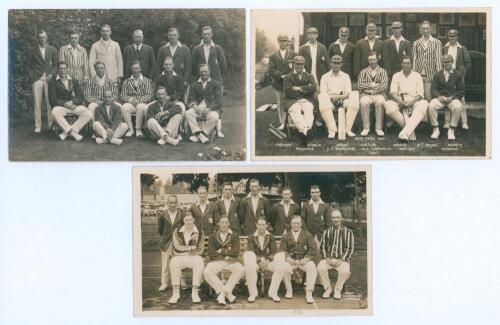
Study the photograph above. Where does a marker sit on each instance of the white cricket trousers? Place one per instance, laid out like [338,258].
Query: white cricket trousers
[309,268]
[365,102]
[165,265]
[343,270]
[118,133]
[302,115]
[455,106]
[59,115]
[40,90]
[140,111]
[212,270]
[326,106]
[251,268]
[171,129]
[212,119]
[419,113]
[181,262]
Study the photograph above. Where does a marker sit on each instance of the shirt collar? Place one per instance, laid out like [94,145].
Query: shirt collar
[320,201]
[141,77]
[231,198]
[183,229]
[173,73]
[311,44]
[259,196]
[78,46]
[108,41]
[366,38]
[430,38]
[401,38]
[68,77]
[212,44]
[291,202]
[179,44]
[209,79]
[256,233]
[458,44]
[138,46]
[229,231]
[104,78]
[206,202]
[338,42]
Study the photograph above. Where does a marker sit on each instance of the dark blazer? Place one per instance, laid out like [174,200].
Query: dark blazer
[145,56]
[216,61]
[454,87]
[108,121]
[247,217]
[206,221]
[212,94]
[304,247]
[229,248]
[464,62]
[361,51]
[393,57]
[322,65]
[181,59]
[234,220]
[267,250]
[174,85]
[166,228]
[307,83]
[347,56]
[316,223]
[155,108]
[281,221]
[37,66]
[59,94]
[279,66]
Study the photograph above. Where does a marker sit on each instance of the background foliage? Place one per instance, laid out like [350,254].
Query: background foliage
[228,26]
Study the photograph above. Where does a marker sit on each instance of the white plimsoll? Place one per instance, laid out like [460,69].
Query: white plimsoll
[435,134]
[365,132]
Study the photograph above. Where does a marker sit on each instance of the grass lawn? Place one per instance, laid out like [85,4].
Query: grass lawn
[468,143]
[25,145]
[355,292]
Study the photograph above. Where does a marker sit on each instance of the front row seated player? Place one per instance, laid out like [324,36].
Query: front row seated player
[164,118]
[108,125]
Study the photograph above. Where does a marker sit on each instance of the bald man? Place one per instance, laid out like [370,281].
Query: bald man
[138,51]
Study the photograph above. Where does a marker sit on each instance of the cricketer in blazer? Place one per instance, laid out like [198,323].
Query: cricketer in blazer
[454,87]
[108,122]
[279,66]
[267,250]
[166,227]
[248,218]
[145,55]
[347,56]
[37,66]
[393,57]
[316,223]
[181,59]
[322,64]
[307,84]
[232,214]
[212,94]
[216,61]
[303,247]
[281,221]
[463,62]
[155,108]
[59,94]
[206,221]
[361,52]
[227,250]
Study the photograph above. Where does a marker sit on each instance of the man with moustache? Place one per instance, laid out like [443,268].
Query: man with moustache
[138,51]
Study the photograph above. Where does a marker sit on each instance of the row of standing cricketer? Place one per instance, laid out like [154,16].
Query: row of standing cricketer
[427,85]
[313,240]
[69,80]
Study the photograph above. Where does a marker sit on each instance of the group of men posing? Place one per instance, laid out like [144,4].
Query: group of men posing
[90,87]
[409,82]
[313,240]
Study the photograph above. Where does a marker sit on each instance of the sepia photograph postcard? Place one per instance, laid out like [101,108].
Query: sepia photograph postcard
[370,83]
[127,84]
[253,241]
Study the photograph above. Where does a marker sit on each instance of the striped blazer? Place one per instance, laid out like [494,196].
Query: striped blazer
[337,243]
[427,59]
[143,92]
[373,85]
[78,65]
[94,92]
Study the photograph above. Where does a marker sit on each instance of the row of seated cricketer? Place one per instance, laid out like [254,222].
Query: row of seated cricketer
[187,87]
[409,82]
[312,240]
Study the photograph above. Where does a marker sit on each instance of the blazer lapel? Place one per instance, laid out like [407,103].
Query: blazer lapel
[249,202]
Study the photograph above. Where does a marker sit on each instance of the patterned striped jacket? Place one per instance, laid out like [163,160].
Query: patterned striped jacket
[373,85]
[94,92]
[427,59]
[143,92]
[78,65]
[337,243]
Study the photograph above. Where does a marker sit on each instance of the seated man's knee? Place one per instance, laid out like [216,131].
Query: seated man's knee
[379,100]
[455,105]
[365,101]
[344,268]
[96,125]
[123,125]
[391,107]
[434,104]
[213,115]
[322,266]
[151,122]
[421,106]
[191,112]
